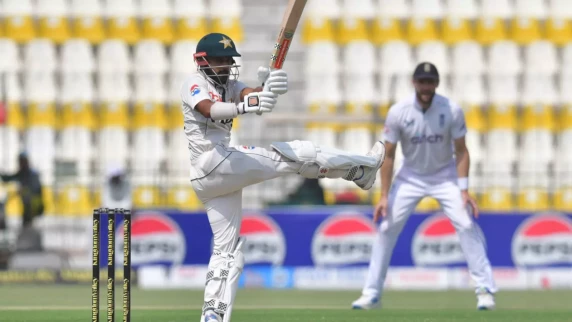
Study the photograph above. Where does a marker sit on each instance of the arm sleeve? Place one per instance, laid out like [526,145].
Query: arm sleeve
[238,87]
[9,177]
[193,91]
[391,132]
[458,125]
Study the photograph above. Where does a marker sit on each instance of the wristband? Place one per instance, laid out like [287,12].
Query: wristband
[463,183]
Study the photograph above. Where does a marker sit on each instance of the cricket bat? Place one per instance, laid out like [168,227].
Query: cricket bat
[289,23]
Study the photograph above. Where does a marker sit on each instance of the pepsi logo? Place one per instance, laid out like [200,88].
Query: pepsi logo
[436,243]
[543,240]
[265,242]
[344,238]
[155,239]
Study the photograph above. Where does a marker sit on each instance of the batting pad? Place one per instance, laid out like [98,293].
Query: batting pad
[222,280]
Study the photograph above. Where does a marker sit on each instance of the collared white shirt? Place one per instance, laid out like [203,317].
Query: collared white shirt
[427,138]
[202,133]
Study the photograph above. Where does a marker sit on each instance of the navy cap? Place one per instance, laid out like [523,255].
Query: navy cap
[426,70]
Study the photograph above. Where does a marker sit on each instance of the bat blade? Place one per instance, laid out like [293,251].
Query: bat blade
[288,28]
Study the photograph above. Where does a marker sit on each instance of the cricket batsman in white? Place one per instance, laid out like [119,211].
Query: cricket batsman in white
[431,129]
[211,98]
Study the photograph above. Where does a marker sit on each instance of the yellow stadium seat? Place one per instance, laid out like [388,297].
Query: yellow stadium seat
[54,28]
[159,28]
[525,30]
[14,116]
[13,205]
[329,197]
[420,30]
[123,28]
[538,117]
[146,197]
[149,115]
[565,117]
[20,28]
[96,197]
[358,108]
[183,198]
[77,114]
[175,117]
[193,28]
[1,29]
[49,202]
[563,199]
[114,114]
[427,205]
[386,29]
[375,196]
[89,28]
[474,118]
[497,199]
[559,31]
[322,108]
[502,117]
[383,110]
[533,199]
[74,200]
[456,30]
[490,30]
[352,29]
[229,26]
[317,29]
[41,114]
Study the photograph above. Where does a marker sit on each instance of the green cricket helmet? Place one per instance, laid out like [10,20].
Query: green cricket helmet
[211,47]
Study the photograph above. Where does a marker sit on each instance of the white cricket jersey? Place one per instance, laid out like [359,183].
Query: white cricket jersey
[427,138]
[202,133]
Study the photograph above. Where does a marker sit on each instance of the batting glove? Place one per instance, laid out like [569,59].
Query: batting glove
[274,80]
[258,102]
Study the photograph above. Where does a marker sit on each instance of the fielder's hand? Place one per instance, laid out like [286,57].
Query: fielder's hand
[274,80]
[258,102]
[471,203]
[380,209]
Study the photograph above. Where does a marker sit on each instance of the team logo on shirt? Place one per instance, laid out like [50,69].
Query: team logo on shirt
[422,138]
[215,97]
[441,120]
[195,90]
[409,123]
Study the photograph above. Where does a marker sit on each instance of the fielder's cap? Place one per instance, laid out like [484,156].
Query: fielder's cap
[426,70]
[217,45]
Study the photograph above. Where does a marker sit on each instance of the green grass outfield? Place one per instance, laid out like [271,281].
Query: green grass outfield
[72,303]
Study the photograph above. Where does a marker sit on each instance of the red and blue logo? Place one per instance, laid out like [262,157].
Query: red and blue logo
[543,240]
[265,242]
[344,238]
[195,90]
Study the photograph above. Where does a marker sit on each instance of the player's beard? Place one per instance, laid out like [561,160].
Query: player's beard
[425,97]
[220,77]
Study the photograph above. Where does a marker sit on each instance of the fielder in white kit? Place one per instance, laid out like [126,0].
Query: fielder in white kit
[211,98]
[431,129]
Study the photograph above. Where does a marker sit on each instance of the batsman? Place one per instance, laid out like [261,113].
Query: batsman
[211,98]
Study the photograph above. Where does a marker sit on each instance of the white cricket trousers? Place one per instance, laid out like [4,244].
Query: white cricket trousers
[219,176]
[404,195]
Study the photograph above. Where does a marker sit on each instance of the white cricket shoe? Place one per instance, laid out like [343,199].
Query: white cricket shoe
[367,179]
[211,316]
[366,303]
[485,299]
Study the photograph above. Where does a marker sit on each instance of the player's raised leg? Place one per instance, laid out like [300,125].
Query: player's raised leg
[236,168]
[472,241]
[402,200]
